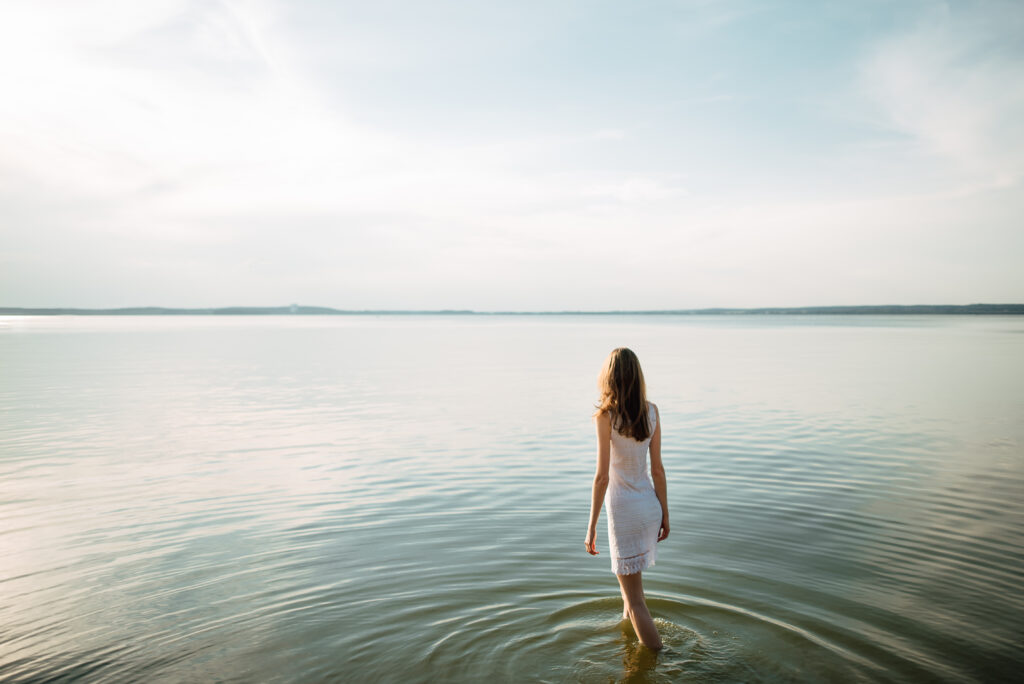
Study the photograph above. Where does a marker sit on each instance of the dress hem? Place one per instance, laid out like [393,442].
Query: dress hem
[634,564]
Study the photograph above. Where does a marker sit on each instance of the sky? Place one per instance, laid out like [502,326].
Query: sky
[555,155]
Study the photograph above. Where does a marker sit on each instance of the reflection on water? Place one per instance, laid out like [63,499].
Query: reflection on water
[404,499]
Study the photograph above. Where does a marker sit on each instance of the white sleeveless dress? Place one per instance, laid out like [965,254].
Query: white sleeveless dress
[634,512]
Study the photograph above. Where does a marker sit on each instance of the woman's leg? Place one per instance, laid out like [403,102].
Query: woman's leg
[633,591]
[625,603]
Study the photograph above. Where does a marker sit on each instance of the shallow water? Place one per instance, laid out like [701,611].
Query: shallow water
[405,498]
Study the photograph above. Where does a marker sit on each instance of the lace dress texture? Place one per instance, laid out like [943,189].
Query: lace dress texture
[634,512]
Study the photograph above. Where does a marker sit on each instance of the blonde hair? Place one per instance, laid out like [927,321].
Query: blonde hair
[624,394]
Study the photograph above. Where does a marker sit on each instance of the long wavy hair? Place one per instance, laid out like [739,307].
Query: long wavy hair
[623,394]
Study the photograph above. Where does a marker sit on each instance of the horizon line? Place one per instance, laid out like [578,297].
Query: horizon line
[299,309]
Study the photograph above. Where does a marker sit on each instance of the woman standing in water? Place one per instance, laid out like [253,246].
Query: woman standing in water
[628,426]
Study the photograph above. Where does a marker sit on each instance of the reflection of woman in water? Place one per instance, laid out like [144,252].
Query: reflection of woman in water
[628,426]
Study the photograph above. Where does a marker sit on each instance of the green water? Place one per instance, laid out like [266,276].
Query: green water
[404,499]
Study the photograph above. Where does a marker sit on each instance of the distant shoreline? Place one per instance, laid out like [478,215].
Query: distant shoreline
[294,309]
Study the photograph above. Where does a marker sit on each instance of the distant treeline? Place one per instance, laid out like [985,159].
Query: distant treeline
[975,309]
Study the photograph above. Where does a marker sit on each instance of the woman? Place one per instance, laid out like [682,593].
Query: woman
[627,427]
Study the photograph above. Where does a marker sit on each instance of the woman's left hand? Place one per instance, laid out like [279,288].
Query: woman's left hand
[663,532]
[591,542]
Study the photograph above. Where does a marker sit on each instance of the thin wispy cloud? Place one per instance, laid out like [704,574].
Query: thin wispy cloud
[950,85]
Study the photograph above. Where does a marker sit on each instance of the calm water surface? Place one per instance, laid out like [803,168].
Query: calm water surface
[404,499]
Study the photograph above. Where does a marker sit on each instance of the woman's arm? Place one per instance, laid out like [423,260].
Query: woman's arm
[658,475]
[604,446]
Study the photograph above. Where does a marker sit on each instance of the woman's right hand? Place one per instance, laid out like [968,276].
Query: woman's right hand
[663,532]
[591,542]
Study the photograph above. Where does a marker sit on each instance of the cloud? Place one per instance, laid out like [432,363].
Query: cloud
[195,110]
[951,86]
[636,190]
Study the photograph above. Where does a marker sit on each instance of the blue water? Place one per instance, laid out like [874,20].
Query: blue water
[404,498]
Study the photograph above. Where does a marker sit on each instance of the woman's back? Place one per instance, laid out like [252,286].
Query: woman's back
[629,458]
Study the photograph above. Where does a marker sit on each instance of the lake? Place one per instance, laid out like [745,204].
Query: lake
[404,499]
